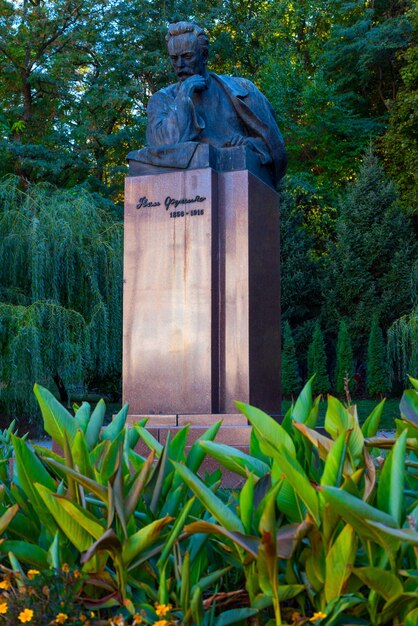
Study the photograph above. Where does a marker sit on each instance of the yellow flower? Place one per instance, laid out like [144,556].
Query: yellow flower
[76,574]
[161,622]
[137,619]
[5,584]
[318,615]
[118,620]
[162,609]
[3,608]
[65,568]
[26,615]
[32,573]
[61,618]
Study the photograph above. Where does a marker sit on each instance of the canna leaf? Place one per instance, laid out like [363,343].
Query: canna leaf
[267,427]
[28,553]
[214,505]
[371,425]
[7,517]
[197,454]
[334,464]
[68,519]
[384,583]
[235,460]
[246,504]
[57,419]
[95,425]
[338,560]
[247,542]
[303,405]
[233,616]
[116,425]
[82,416]
[143,539]
[390,491]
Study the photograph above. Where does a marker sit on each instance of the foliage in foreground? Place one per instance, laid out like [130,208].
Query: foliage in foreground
[322,531]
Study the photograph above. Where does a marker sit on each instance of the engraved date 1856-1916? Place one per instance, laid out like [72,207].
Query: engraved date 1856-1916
[191,213]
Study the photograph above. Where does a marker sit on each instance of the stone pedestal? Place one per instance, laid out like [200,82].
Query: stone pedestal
[201,294]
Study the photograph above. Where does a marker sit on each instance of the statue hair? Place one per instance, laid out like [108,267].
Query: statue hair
[181,28]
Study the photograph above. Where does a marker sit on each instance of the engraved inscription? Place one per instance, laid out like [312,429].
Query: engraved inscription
[173,202]
[144,203]
[191,213]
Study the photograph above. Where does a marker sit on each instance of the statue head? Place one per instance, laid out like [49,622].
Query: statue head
[188,47]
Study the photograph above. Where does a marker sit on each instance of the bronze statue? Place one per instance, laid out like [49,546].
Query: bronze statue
[205,108]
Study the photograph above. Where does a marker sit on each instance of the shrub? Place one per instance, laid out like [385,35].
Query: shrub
[344,367]
[291,381]
[317,362]
[377,375]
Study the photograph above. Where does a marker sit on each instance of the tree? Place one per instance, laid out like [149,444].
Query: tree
[290,378]
[60,291]
[367,270]
[317,362]
[344,367]
[377,376]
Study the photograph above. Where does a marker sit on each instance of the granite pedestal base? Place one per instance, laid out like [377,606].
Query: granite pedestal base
[201,293]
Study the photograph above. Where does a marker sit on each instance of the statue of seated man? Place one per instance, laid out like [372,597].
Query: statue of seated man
[205,108]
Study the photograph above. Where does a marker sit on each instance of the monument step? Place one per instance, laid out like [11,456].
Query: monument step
[206,419]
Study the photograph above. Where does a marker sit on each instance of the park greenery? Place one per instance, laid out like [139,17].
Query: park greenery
[76,79]
[321,531]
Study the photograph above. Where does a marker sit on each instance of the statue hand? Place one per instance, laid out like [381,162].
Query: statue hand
[235,140]
[192,84]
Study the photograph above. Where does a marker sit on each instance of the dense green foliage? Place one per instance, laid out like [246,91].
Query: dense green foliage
[344,368]
[377,373]
[321,530]
[317,362]
[290,381]
[76,80]
[60,290]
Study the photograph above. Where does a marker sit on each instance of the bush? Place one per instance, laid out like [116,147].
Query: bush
[317,362]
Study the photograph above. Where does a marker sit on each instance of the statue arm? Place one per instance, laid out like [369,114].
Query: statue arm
[172,120]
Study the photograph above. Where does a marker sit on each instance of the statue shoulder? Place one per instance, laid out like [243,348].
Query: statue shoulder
[166,93]
[238,85]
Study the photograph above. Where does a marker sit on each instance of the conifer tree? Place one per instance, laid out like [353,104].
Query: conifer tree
[317,362]
[344,366]
[291,380]
[377,376]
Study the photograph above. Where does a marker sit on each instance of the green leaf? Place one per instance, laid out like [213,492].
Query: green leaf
[57,419]
[410,535]
[89,484]
[409,406]
[247,542]
[390,491]
[334,463]
[68,519]
[149,440]
[82,416]
[267,427]
[7,517]
[338,560]
[396,606]
[414,382]
[412,618]
[303,405]
[384,583]
[116,425]
[197,454]
[28,553]
[95,425]
[235,460]
[29,469]
[371,425]
[81,455]
[299,481]
[143,539]
[210,501]
[234,615]
[246,503]
[352,508]
[177,528]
